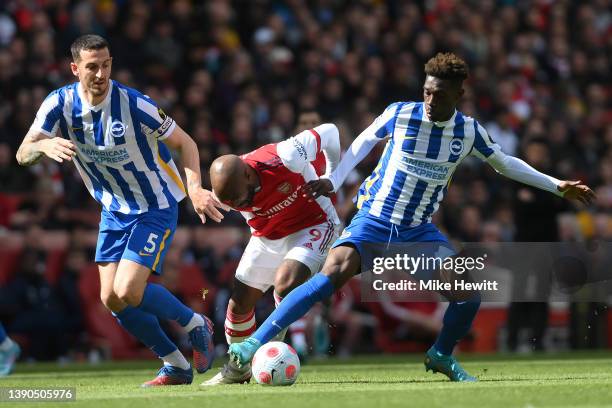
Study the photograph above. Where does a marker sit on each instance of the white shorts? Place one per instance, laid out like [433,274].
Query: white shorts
[262,256]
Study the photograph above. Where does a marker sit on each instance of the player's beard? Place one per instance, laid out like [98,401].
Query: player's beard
[98,90]
[251,194]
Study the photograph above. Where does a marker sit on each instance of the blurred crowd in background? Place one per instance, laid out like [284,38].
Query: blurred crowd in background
[236,75]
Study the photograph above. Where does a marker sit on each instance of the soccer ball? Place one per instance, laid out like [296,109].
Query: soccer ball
[276,363]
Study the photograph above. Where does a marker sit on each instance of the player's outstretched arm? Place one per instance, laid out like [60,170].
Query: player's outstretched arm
[517,169]
[36,144]
[204,201]
[576,190]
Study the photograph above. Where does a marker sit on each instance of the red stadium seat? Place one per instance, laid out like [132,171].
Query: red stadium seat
[9,260]
[486,327]
[8,205]
[56,260]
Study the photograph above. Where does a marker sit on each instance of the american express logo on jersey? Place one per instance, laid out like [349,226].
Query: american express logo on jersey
[107,155]
[426,169]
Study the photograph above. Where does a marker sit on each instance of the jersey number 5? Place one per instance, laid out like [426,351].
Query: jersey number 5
[150,247]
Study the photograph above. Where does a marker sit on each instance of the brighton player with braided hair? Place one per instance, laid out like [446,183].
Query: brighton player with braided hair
[425,143]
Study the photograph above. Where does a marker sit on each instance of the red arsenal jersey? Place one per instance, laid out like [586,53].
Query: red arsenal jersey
[279,208]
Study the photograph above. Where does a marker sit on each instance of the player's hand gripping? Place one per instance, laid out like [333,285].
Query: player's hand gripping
[318,188]
[205,204]
[576,190]
[57,148]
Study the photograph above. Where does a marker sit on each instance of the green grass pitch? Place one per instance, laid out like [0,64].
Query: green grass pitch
[560,380]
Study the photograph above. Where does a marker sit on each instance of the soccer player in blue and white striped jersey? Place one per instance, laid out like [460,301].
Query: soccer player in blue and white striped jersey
[425,143]
[118,139]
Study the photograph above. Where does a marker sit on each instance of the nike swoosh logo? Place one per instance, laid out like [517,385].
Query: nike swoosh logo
[410,137]
[275,324]
[144,254]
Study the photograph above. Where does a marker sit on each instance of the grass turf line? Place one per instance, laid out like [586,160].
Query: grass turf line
[566,380]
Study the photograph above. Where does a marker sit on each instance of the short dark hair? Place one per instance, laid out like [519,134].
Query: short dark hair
[308,110]
[87,42]
[447,66]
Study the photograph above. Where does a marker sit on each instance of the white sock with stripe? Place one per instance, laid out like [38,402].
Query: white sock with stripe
[176,359]
[196,320]
[239,326]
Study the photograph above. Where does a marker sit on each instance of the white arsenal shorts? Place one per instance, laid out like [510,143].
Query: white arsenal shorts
[262,256]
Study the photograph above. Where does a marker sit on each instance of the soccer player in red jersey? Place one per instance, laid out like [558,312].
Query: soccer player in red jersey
[291,232]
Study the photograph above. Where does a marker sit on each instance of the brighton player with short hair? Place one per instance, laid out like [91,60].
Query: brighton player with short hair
[118,139]
[291,233]
[9,353]
[426,142]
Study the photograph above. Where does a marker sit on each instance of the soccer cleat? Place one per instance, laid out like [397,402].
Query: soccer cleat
[230,374]
[169,375]
[201,338]
[447,365]
[8,358]
[242,353]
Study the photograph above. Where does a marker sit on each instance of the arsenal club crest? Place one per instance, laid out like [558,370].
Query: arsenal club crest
[285,188]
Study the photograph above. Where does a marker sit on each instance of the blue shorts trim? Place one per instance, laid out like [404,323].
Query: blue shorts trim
[367,229]
[142,238]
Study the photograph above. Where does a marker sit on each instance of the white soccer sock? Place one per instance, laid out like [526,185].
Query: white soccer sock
[6,344]
[196,320]
[176,359]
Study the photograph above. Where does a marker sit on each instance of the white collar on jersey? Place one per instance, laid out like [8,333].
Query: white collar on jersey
[445,123]
[99,106]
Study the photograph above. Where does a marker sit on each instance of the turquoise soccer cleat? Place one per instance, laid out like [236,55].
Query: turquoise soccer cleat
[8,359]
[242,353]
[447,365]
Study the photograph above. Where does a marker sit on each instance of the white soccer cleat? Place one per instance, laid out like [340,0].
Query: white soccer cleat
[230,374]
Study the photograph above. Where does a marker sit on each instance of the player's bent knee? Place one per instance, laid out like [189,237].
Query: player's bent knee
[289,275]
[283,287]
[239,306]
[286,282]
[129,294]
[341,265]
[334,273]
[111,301]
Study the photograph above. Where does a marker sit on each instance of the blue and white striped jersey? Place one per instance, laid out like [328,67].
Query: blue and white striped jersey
[418,162]
[120,154]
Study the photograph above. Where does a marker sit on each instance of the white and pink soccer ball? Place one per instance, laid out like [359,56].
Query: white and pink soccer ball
[276,363]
